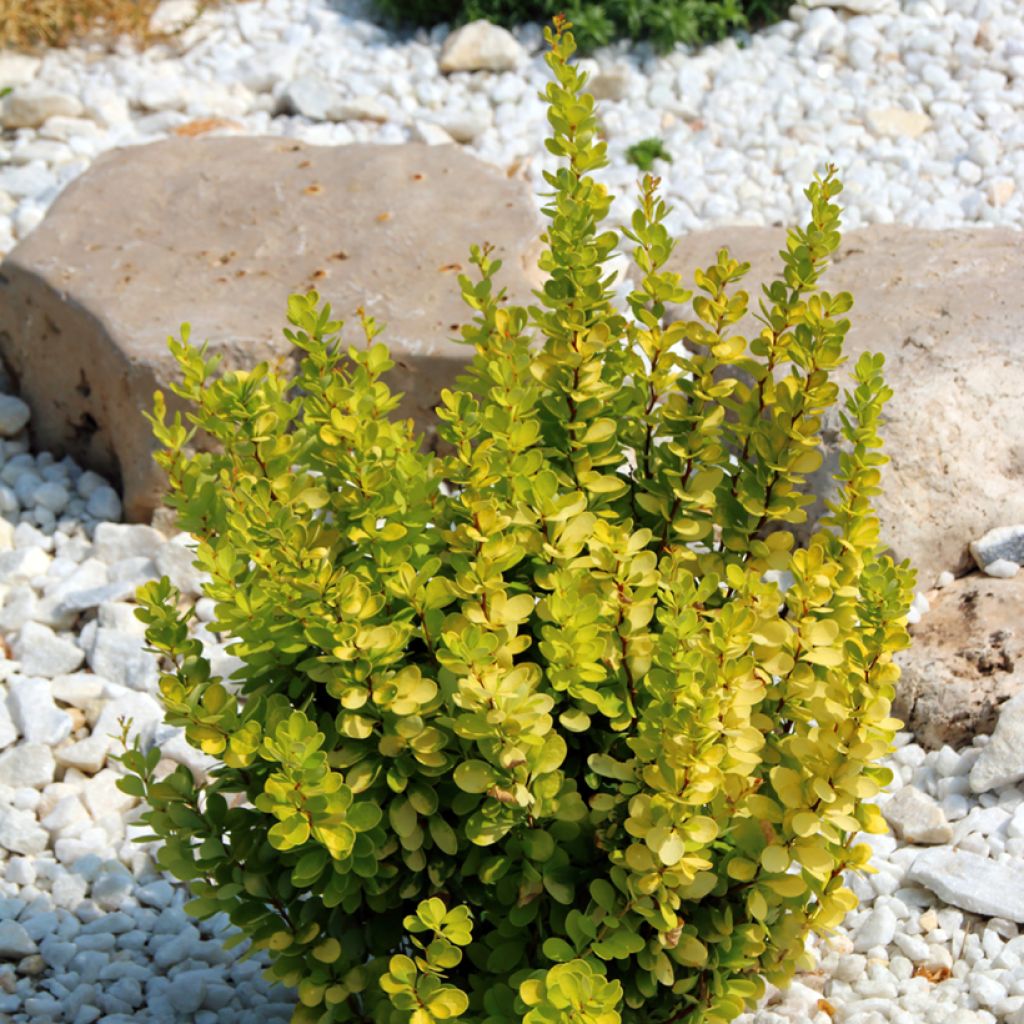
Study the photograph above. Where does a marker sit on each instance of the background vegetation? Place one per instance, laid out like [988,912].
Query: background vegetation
[663,22]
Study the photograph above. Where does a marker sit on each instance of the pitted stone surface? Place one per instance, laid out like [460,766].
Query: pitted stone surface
[966,660]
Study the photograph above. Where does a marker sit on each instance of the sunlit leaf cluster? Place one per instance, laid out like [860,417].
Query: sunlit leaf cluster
[562,725]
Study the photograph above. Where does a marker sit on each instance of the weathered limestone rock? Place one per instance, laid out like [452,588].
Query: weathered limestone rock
[966,660]
[217,232]
[944,307]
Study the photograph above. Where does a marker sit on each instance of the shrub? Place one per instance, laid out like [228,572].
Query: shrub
[534,731]
[663,22]
[644,153]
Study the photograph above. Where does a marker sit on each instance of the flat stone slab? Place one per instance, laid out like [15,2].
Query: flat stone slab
[972,882]
[218,232]
[947,310]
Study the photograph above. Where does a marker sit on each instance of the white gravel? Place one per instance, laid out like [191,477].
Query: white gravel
[920,105]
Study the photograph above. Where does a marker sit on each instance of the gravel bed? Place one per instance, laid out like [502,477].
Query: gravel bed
[919,104]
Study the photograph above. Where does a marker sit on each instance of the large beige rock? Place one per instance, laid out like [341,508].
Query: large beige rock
[218,233]
[947,310]
[965,662]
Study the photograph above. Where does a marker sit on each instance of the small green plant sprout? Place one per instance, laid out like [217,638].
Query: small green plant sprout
[644,153]
[563,725]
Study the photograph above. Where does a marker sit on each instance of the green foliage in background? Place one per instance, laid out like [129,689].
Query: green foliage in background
[532,731]
[663,22]
[644,153]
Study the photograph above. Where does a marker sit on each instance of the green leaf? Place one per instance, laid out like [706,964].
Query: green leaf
[538,845]
[558,950]
[443,835]
[474,776]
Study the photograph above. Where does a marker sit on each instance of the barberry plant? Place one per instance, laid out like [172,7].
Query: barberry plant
[562,725]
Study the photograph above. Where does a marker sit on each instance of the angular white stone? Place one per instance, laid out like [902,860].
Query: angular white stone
[464,127]
[312,96]
[481,46]
[121,658]
[68,812]
[1001,762]
[877,929]
[359,108]
[177,748]
[19,607]
[142,709]
[15,941]
[133,570]
[174,560]
[43,653]
[88,755]
[34,713]
[102,796]
[972,882]
[27,764]
[113,542]
[120,615]
[430,133]
[80,689]
[23,564]
[87,575]
[916,818]
[81,600]
[20,832]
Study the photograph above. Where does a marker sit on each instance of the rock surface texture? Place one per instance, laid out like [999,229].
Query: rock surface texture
[944,308]
[85,307]
[966,660]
